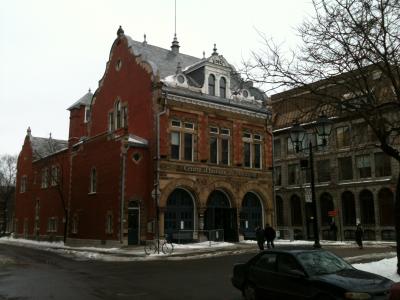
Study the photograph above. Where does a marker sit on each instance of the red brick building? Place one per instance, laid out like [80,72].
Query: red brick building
[166,136]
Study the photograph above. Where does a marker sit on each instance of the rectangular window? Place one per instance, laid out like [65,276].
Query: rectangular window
[52,225]
[257,137]
[247,155]
[24,180]
[109,224]
[345,165]
[290,149]
[324,170]
[277,149]
[247,135]
[382,165]
[45,178]
[278,176]
[225,131]
[293,174]
[75,224]
[175,144]
[124,116]
[87,114]
[55,173]
[225,151]
[214,130]
[189,125]
[213,150]
[257,156]
[110,122]
[343,137]
[176,123]
[363,166]
[188,144]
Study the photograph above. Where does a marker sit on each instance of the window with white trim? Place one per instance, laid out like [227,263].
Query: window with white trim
[45,178]
[52,224]
[109,223]
[220,140]
[252,150]
[55,175]
[75,222]
[24,180]
[182,140]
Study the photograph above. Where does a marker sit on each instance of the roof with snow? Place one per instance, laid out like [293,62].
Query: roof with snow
[42,147]
[165,60]
[85,100]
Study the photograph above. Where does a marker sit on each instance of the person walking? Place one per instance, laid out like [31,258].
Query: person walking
[270,235]
[359,236]
[260,237]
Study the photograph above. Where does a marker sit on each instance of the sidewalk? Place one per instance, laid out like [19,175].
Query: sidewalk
[372,250]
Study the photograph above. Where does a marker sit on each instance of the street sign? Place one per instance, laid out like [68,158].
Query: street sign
[332,213]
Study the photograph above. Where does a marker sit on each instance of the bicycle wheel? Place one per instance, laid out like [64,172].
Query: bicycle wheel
[167,248]
[150,248]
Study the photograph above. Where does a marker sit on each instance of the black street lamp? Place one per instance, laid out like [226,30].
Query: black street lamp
[297,133]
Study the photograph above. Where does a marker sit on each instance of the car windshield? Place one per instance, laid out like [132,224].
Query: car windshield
[322,262]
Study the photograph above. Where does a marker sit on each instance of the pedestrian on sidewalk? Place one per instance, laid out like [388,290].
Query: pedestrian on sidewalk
[260,237]
[359,236]
[270,235]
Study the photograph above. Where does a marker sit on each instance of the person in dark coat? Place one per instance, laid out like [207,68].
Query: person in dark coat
[270,235]
[260,237]
[359,236]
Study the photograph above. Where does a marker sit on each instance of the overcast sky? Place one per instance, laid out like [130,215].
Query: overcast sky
[53,51]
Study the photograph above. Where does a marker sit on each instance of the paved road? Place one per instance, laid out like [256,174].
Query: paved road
[42,275]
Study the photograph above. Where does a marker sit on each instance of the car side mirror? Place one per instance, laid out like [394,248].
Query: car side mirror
[296,273]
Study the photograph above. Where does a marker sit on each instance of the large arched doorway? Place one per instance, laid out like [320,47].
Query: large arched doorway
[326,205]
[367,207]
[386,207]
[220,216]
[179,216]
[348,209]
[250,215]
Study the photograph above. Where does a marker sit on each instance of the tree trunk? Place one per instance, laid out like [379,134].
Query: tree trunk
[397,222]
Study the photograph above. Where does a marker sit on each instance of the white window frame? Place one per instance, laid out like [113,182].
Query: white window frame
[24,180]
[45,178]
[52,224]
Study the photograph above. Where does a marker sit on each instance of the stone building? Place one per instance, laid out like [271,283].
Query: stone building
[167,141]
[354,180]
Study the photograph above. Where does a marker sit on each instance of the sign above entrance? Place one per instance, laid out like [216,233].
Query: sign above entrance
[216,171]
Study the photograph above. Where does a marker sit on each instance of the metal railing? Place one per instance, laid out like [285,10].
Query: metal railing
[190,236]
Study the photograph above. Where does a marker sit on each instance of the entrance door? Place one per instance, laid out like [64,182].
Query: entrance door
[133,226]
[219,215]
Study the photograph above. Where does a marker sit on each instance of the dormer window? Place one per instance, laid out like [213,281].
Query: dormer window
[222,87]
[211,85]
[245,93]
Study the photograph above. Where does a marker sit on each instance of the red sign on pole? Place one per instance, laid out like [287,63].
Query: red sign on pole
[332,213]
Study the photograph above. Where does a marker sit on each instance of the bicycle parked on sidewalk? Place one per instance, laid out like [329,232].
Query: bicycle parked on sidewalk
[154,246]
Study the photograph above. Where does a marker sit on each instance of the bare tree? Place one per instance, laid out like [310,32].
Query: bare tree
[8,171]
[349,64]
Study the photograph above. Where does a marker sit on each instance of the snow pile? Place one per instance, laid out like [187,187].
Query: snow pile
[385,267]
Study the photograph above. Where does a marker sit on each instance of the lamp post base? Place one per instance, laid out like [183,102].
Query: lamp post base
[317,245]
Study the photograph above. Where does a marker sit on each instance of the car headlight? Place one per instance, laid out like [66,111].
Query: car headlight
[355,295]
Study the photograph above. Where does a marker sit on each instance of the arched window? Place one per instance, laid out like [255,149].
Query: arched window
[250,214]
[326,205]
[222,87]
[211,85]
[295,206]
[93,180]
[386,207]
[179,212]
[118,115]
[348,209]
[367,208]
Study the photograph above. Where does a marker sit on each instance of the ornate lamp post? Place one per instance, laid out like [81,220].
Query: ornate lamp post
[297,133]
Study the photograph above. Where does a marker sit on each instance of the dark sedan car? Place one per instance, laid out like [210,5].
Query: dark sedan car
[306,274]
